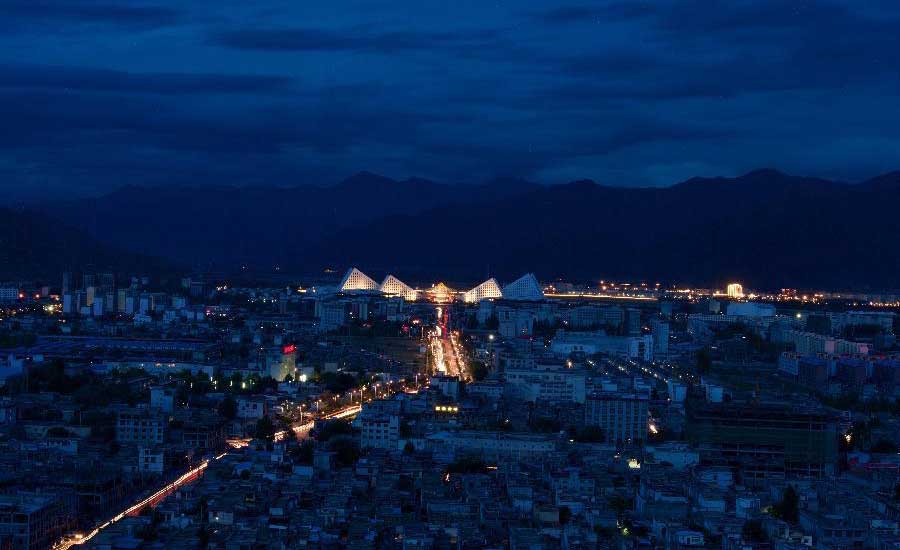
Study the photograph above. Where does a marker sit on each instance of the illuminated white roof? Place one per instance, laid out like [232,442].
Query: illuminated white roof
[525,287]
[395,287]
[440,292]
[484,291]
[357,280]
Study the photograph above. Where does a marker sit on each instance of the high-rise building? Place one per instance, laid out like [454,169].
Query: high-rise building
[631,321]
[622,416]
[67,282]
[659,330]
[735,290]
[9,294]
[765,440]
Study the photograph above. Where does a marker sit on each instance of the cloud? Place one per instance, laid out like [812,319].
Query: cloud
[360,40]
[103,80]
[580,13]
[460,91]
[89,11]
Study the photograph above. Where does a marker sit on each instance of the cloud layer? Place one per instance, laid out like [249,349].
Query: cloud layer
[95,95]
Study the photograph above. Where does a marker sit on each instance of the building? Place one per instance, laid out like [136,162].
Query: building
[162,398]
[140,426]
[30,521]
[515,322]
[490,445]
[552,385]
[489,289]
[151,460]
[702,325]
[622,416]
[810,343]
[842,321]
[735,290]
[379,431]
[356,280]
[525,288]
[659,331]
[765,440]
[8,294]
[440,293]
[813,372]
[392,286]
[632,347]
[592,317]
[750,309]
[251,408]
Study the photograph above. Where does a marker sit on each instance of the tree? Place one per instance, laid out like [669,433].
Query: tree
[467,466]
[303,453]
[334,428]
[789,507]
[545,425]
[753,531]
[228,407]
[883,446]
[589,434]
[405,429]
[704,361]
[618,504]
[346,453]
[58,431]
[265,429]
[479,371]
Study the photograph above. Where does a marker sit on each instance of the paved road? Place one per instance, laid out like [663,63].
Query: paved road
[188,477]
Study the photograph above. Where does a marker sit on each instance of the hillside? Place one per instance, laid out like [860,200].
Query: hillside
[264,226]
[35,246]
[765,228]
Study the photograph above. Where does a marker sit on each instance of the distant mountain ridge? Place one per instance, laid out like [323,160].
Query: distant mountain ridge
[34,246]
[262,225]
[765,228]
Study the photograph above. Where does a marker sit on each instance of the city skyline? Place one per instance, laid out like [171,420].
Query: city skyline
[369,275]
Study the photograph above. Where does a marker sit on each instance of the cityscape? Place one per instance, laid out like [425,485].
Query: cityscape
[371,275]
[343,412]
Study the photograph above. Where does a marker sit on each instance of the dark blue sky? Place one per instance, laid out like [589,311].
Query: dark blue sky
[97,94]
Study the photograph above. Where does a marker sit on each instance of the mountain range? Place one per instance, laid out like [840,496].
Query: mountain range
[34,245]
[766,228]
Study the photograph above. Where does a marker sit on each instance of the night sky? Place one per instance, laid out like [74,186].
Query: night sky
[95,95]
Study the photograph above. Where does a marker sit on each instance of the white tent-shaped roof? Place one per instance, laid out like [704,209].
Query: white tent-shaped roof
[484,291]
[357,280]
[393,286]
[525,287]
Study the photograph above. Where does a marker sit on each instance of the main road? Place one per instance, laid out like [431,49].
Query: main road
[447,357]
[188,477]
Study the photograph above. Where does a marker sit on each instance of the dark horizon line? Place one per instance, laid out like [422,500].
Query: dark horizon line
[26,200]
